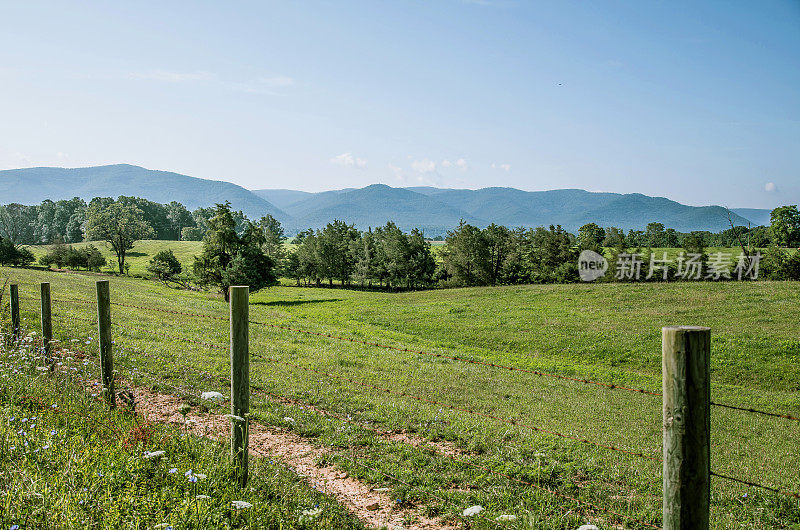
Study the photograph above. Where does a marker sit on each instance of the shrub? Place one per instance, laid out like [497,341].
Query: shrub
[164,266]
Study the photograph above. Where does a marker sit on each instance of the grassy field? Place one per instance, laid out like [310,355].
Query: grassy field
[607,332]
[141,253]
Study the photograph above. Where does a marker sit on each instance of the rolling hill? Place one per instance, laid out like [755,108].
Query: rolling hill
[33,185]
[434,210]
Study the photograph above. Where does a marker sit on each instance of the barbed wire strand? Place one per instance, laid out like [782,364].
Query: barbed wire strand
[461,409]
[756,485]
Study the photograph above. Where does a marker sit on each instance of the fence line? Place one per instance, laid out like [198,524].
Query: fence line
[406,394]
[258,389]
[462,409]
[582,380]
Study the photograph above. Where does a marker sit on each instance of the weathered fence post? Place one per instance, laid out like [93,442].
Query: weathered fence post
[47,325]
[14,290]
[686,352]
[240,378]
[104,340]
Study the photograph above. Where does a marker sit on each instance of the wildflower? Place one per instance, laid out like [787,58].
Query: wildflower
[42,368]
[173,470]
[502,518]
[45,448]
[473,510]
[188,473]
[309,515]
[588,527]
[202,497]
[241,505]
[213,396]
[288,419]
[193,479]
[200,476]
[14,527]
[53,432]
[153,455]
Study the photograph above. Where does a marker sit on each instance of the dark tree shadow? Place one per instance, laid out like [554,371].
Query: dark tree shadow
[290,303]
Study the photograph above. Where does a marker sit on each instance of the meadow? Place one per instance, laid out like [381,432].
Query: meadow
[140,255]
[336,393]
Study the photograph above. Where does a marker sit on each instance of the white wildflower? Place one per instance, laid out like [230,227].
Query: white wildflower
[213,396]
[202,497]
[588,527]
[473,510]
[152,455]
[506,517]
[241,505]
[288,419]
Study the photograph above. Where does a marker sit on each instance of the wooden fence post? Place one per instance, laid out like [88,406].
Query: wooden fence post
[14,290]
[240,378]
[47,325]
[686,352]
[104,340]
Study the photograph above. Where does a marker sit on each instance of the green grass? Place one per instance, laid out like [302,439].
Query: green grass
[608,332]
[141,253]
[67,462]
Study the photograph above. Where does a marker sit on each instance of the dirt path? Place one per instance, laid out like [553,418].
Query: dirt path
[374,508]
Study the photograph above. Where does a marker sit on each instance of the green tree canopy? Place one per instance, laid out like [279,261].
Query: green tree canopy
[229,259]
[120,225]
[785,226]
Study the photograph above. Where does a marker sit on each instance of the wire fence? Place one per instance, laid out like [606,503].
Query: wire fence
[592,507]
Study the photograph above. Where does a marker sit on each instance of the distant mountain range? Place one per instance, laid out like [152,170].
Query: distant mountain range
[35,184]
[435,210]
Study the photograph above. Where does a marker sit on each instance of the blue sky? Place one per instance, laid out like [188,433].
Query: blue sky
[695,101]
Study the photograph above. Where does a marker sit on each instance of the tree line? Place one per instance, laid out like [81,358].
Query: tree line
[65,221]
[236,249]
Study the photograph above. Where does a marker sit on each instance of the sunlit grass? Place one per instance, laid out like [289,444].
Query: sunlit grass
[606,332]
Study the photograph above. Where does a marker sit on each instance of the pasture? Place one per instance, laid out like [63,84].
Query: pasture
[140,255]
[608,333]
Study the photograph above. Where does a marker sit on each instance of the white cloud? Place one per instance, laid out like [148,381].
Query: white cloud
[169,76]
[770,187]
[504,167]
[424,165]
[348,160]
[461,163]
